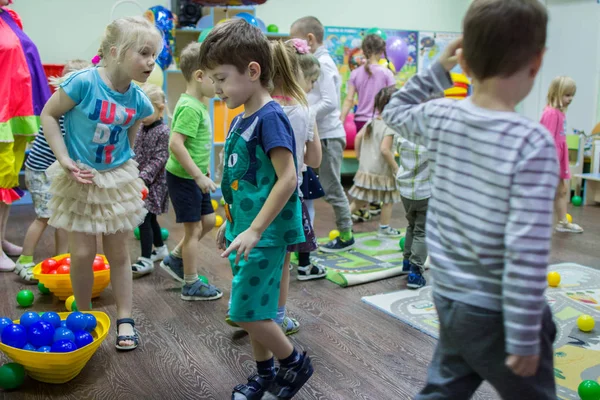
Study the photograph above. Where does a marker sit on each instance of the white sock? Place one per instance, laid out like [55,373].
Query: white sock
[190,279]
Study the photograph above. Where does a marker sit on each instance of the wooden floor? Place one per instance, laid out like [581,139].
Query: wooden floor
[188,352]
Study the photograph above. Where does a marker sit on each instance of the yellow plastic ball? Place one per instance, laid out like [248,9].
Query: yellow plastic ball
[218,220]
[69,303]
[585,323]
[569,218]
[333,234]
[553,279]
[215,204]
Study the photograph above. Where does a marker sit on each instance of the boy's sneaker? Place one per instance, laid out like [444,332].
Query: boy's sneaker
[337,245]
[290,380]
[253,390]
[199,291]
[310,272]
[405,267]
[566,226]
[375,208]
[416,281]
[388,232]
[174,267]
[25,271]
[142,266]
[362,215]
[159,253]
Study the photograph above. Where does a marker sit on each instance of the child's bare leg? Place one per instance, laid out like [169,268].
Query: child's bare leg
[189,249]
[33,235]
[357,205]
[61,242]
[83,251]
[561,200]
[267,338]
[99,244]
[121,279]
[386,214]
[285,281]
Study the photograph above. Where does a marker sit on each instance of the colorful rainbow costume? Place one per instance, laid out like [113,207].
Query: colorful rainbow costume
[24,91]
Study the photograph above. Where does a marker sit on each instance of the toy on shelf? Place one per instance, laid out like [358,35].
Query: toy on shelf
[165,22]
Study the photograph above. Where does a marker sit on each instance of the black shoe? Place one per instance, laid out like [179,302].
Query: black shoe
[337,245]
[289,381]
[253,390]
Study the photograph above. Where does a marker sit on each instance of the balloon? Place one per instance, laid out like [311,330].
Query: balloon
[376,31]
[205,22]
[249,18]
[261,25]
[156,77]
[273,28]
[204,34]
[164,20]
[397,51]
[350,128]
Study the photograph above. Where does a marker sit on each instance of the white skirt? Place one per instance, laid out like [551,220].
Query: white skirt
[112,203]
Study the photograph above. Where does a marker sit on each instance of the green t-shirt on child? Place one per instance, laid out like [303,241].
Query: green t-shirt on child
[191,119]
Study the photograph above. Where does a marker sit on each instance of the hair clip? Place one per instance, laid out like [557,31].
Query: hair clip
[96,60]
[300,45]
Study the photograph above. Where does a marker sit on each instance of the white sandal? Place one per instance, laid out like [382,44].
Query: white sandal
[142,267]
[25,272]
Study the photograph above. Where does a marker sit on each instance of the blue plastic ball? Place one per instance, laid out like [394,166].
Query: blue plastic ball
[63,334]
[29,318]
[41,334]
[44,349]
[82,338]
[29,347]
[91,322]
[14,335]
[63,324]
[52,318]
[63,346]
[4,322]
[76,321]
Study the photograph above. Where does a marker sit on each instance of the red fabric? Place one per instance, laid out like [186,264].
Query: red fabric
[8,196]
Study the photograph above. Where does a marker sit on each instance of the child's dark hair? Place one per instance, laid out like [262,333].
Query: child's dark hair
[381,100]
[236,42]
[502,36]
[373,45]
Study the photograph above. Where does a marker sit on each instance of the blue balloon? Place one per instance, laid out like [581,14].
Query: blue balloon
[91,322]
[41,334]
[29,318]
[165,22]
[205,22]
[249,18]
[82,338]
[44,349]
[14,335]
[76,321]
[4,322]
[63,346]
[52,318]
[29,347]
[63,334]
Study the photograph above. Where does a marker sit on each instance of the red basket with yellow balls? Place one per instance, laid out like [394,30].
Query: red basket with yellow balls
[60,367]
[53,273]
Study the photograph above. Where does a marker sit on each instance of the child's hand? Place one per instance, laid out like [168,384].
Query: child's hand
[205,184]
[244,243]
[221,243]
[449,57]
[79,175]
[523,365]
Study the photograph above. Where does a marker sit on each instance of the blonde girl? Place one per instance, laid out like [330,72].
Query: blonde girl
[560,95]
[96,187]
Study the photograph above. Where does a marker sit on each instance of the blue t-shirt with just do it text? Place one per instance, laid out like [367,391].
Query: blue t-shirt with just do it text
[96,128]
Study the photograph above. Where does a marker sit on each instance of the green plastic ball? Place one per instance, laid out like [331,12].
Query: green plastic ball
[203,279]
[273,28]
[376,31]
[43,289]
[136,233]
[164,233]
[577,201]
[222,201]
[401,243]
[25,298]
[589,390]
[12,376]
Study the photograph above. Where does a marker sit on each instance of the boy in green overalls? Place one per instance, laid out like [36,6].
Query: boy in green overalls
[262,205]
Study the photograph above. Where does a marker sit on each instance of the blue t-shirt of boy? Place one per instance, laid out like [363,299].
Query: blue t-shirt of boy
[96,128]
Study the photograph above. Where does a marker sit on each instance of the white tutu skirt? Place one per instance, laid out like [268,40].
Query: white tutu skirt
[112,203]
[374,188]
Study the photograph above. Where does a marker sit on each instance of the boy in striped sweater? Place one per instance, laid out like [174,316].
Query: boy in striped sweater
[39,159]
[494,176]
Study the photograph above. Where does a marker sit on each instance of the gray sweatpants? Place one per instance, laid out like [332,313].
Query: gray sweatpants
[471,349]
[330,178]
[415,248]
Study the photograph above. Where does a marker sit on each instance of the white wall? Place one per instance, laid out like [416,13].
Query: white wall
[573,50]
[67,29]
[441,15]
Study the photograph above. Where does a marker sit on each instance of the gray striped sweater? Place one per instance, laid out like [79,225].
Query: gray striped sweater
[494,176]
